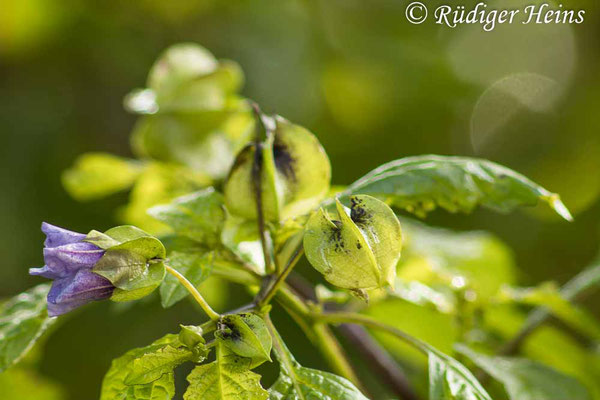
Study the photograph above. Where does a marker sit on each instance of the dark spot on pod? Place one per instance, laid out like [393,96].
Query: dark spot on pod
[242,157]
[228,330]
[358,245]
[284,162]
[247,321]
[336,237]
[358,213]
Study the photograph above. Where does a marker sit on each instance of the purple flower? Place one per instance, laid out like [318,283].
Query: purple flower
[69,261]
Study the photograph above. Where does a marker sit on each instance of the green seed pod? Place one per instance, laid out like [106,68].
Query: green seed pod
[246,335]
[357,250]
[295,175]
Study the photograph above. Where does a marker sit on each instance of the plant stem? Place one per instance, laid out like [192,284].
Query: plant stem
[319,334]
[382,362]
[284,357]
[334,354]
[352,318]
[292,302]
[257,182]
[384,366]
[194,292]
[571,291]
[265,298]
[234,274]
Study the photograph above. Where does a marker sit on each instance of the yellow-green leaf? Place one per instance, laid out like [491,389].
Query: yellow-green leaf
[524,379]
[95,175]
[301,383]
[419,184]
[227,378]
[198,216]
[548,295]
[114,385]
[23,319]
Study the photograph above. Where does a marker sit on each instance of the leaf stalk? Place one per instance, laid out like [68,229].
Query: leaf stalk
[212,314]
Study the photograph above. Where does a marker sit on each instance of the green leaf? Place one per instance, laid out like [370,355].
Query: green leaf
[199,216]
[179,64]
[193,114]
[161,389]
[298,382]
[131,261]
[419,184]
[153,365]
[196,267]
[548,295]
[450,380]
[428,324]
[95,175]
[246,335]
[114,385]
[159,184]
[418,293]
[440,258]
[188,77]
[227,378]
[205,142]
[23,319]
[528,380]
[548,345]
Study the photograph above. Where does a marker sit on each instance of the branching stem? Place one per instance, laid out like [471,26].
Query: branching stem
[257,167]
[319,334]
[265,298]
[383,365]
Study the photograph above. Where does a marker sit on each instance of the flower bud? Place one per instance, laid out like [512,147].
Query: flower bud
[295,175]
[360,248]
[191,336]
[69,261]
[123,263]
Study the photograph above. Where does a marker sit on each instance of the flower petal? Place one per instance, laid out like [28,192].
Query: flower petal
[77,290]
[65,260]
[56,236]
[44,271]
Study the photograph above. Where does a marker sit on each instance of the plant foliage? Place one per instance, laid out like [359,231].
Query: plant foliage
[222,190]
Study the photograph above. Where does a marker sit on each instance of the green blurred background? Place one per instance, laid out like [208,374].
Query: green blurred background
[370,85]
